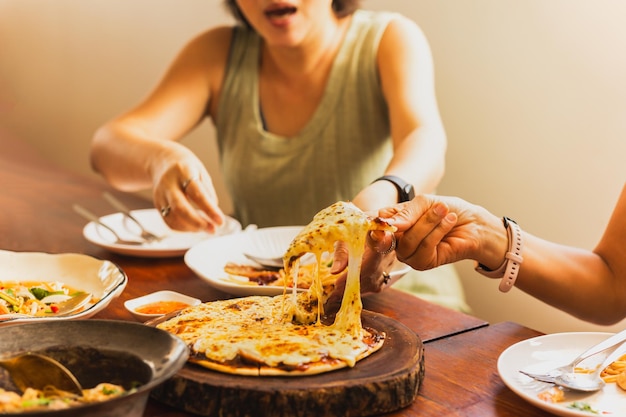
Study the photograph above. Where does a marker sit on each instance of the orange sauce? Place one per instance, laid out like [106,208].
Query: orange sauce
[161,307]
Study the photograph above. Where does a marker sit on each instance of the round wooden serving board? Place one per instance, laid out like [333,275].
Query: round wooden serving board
[383,382]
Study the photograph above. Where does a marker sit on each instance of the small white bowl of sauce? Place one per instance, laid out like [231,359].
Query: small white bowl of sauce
[159,303]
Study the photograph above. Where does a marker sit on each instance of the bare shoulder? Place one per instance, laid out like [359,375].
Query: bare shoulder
[403,52]
[204,59]
[211,45]
[403,33]
[406,68]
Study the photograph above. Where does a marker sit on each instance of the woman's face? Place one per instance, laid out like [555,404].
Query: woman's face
[286,22]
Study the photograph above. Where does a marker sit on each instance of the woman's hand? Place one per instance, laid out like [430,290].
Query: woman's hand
[431,231]
[184,194]
[434,230]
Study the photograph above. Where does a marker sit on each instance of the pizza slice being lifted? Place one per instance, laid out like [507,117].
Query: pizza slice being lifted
[285,335]
[347,223]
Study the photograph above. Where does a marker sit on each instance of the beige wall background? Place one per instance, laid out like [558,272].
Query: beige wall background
[532,93]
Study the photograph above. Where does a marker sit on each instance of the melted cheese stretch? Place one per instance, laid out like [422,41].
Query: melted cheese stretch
[255,328]
[339,222]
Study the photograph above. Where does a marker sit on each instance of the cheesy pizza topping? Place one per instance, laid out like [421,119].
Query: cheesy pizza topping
[285,335]
[244,335]
[340,222]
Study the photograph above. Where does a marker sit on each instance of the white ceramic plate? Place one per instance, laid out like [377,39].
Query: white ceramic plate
[208,258]
[103,279]
[174,243]
[543,353]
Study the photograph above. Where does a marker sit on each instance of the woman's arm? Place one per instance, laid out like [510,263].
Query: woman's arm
[139,149]
[419,142]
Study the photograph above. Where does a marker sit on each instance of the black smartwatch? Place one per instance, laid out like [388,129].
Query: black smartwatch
[405,190]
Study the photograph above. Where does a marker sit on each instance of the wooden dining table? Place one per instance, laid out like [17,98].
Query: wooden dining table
[461,351]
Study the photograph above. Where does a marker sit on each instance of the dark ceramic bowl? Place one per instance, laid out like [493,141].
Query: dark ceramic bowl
[118,352]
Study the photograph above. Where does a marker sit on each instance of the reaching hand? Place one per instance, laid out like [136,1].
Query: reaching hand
[186,198]
[434,231]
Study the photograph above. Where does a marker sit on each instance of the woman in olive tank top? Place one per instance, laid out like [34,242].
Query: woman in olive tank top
[313,101]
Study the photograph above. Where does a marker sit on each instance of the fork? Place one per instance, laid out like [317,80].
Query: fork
[275,262]
[145,234]
[92,217]
[606,348]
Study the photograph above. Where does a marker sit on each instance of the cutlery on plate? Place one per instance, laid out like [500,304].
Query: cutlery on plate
[92,217]
[272,263]
[275,262]
[69,306]
[581,382]
[565,376]
[145,234]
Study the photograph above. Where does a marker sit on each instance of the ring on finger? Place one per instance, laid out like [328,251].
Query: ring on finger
[165,211]
[188,181]
[391,248]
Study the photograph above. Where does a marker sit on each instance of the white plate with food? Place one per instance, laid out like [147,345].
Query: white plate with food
[212,259]
[28,279]
[171,243]
[543,353]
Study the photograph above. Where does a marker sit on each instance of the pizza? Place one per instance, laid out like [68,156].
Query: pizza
[261,336]
[288,334]
[343,222]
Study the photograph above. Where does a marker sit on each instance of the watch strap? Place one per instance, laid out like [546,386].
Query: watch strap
[405,190]
[513,259]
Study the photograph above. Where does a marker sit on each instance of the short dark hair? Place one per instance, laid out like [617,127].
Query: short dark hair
[341,7]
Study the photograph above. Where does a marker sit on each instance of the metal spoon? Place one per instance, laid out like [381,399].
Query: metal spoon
[581,382]
[73,304]
[32,370]
[145,234]
[92,217]
[566,377]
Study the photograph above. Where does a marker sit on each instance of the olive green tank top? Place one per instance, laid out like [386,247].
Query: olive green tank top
[278,181]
